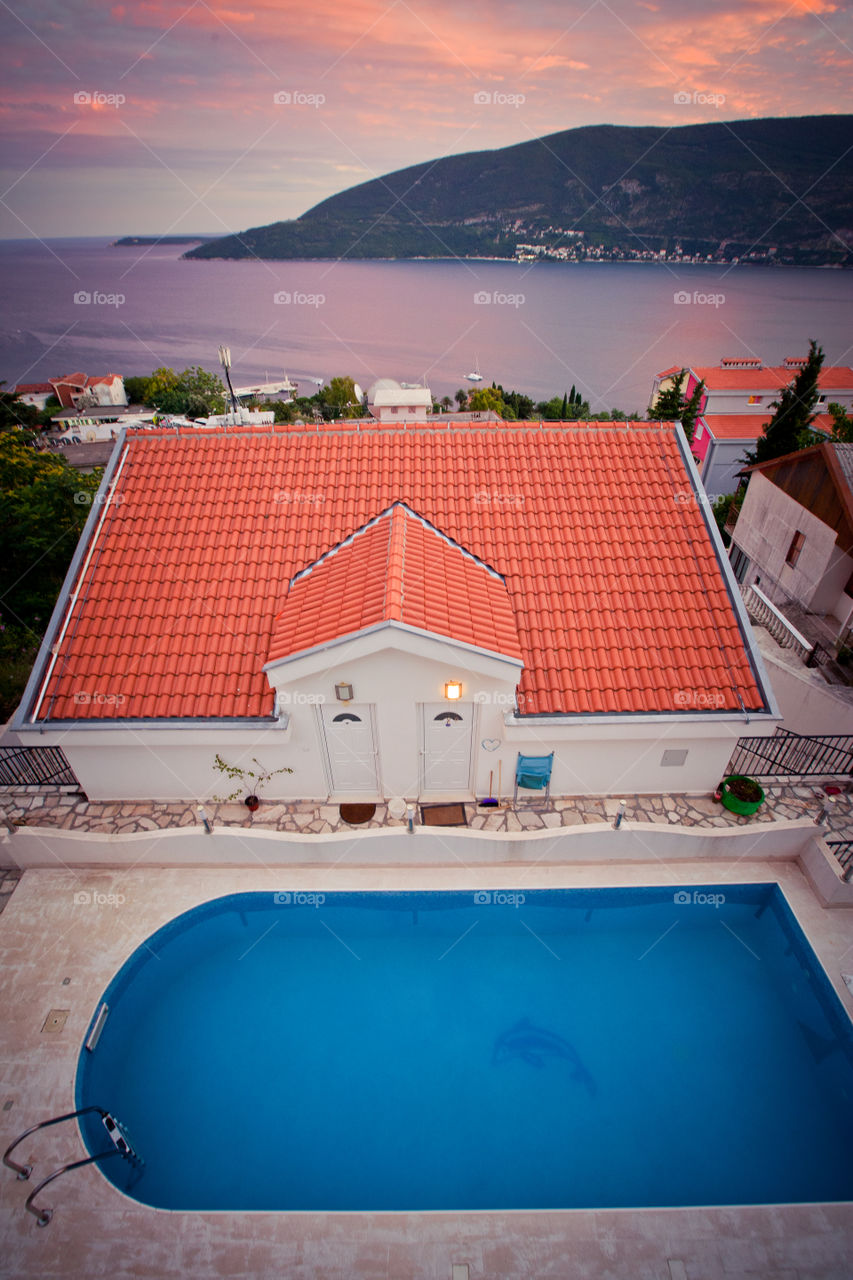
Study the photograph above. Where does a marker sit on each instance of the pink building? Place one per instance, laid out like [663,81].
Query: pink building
[737,404]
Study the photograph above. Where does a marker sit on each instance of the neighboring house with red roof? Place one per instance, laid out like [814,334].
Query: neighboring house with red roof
[76,390]
[794,534]
[36,394]
[315,597]
[737,404]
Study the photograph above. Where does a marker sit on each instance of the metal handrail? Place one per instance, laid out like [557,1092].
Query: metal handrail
[24,1170]
[43,1216]
[121,1147]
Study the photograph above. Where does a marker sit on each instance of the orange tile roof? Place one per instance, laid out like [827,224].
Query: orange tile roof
[398,568]
[770,378]
[619,601]
[749,426]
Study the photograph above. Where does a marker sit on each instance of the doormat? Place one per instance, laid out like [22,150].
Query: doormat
[443,815]
[356,813]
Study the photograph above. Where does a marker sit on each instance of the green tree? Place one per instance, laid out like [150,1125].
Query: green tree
[202,393]
[462,399]
[44,506]
[673,406]
[136,390]
[14,413]
[161,389]
[195,392]
[485,399]
[842,425]
[788,429]
[338,399]
[521,405]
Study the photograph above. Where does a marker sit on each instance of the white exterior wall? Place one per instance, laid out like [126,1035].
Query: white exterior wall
[768,520]
[178,764]
[395,672]
[737,401]
[593,756]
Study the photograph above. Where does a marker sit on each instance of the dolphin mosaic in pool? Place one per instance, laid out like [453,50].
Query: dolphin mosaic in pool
[534,1044]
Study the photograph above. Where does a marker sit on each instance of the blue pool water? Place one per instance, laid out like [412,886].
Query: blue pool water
[551,1049]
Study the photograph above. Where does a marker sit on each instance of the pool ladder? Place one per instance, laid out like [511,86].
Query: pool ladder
[121,1147]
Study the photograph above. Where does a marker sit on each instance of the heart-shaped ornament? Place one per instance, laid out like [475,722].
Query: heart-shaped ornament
[490,744]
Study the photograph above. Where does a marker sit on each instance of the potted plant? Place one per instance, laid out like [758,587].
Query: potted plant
[741,794]
[251,780]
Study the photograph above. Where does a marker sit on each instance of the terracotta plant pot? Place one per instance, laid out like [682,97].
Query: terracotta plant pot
[252,803]
[733,802]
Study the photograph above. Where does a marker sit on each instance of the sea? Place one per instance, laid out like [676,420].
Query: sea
[540,328]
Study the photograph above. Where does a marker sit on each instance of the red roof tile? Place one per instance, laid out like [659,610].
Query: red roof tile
[617,595]
[770,378]
[398,568]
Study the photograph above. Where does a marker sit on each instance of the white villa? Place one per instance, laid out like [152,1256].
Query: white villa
[398,612]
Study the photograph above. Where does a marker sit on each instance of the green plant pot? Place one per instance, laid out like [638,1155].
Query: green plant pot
[735,805]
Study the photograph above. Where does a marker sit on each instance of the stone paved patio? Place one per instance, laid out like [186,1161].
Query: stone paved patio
[69,811]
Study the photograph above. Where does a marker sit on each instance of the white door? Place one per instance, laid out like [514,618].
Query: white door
[447,746]
[348,732]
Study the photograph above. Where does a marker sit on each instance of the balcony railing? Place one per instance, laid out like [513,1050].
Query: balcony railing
[764,612]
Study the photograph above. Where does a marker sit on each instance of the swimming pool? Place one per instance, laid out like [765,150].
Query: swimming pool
[480,1050]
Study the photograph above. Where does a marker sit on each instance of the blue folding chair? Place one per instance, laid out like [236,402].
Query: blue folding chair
[533,773]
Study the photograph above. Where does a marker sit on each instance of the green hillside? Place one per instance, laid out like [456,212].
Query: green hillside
[781,185]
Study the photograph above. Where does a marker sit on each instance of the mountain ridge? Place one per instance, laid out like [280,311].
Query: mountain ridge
[724,190]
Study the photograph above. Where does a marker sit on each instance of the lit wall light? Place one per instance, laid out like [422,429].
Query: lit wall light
[453,690]
[343,692]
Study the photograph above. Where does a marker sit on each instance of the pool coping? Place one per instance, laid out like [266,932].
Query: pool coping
[41,1073]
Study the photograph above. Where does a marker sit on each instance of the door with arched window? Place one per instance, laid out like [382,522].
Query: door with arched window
[446,752]
[350,748]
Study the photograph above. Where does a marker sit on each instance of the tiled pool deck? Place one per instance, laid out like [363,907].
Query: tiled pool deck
[60,948]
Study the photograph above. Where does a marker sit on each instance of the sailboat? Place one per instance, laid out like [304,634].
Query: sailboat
[476,376]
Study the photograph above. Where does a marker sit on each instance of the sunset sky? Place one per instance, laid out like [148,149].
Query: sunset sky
[140,118]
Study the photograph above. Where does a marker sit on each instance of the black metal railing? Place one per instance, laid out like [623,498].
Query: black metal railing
[794,755]
[843,852]
[35,766]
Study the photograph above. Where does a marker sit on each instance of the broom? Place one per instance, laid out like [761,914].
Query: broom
[490,802]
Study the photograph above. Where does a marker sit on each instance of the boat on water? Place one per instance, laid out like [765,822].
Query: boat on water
[475,376]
